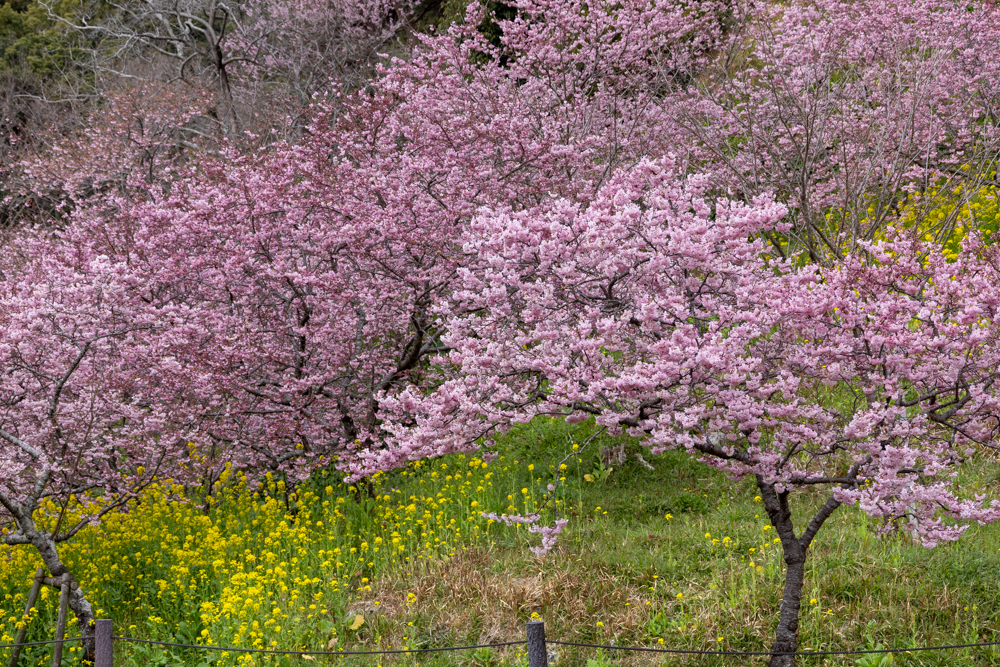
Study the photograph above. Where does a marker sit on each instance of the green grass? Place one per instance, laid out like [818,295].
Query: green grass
[622,572]
[869,589]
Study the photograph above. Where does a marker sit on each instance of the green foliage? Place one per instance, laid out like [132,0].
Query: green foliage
[600,661]
[439,13]
[31,43]
[442,13]
[876,659]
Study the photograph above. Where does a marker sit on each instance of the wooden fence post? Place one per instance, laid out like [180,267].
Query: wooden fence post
[104,650]
[537,653]
[57,649]
[22,632]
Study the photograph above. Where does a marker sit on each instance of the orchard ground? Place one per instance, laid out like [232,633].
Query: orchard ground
[677,556]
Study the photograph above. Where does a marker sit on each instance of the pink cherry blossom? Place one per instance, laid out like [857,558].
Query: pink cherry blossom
[660,313]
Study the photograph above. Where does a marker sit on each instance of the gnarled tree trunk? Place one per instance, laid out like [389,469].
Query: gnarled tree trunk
[45,545]
[794,551]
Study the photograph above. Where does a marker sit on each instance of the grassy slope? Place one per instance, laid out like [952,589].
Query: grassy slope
[626,574]
[622,572]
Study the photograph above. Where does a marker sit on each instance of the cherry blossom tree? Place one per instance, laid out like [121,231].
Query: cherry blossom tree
[658,312]
[322,263]
[488,232]
[854,114]
[134,144]
[91,410]
[313,271]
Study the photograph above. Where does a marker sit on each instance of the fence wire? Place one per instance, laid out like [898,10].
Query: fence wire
[49,641]
[610,647]
[230,649]
[651,649]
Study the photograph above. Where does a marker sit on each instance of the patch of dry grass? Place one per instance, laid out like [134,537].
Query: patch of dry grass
[707,578]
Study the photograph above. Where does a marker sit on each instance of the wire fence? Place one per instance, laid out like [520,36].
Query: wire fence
[228,649]
[681,651]
[538,655]
[48,641]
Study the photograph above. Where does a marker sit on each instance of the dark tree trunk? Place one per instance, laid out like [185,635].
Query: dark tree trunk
[794,551]
[786,636]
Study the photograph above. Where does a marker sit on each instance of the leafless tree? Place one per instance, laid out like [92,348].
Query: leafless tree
[246,50]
